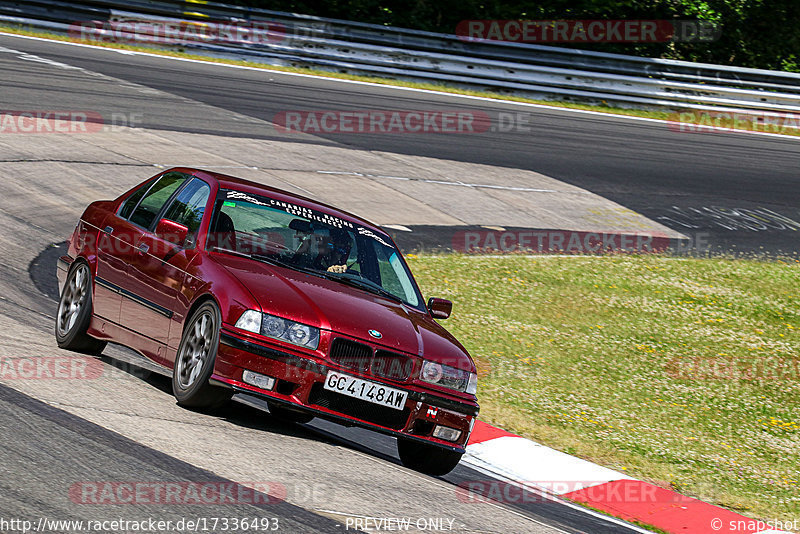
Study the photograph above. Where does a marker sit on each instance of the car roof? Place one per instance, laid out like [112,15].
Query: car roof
[232,182]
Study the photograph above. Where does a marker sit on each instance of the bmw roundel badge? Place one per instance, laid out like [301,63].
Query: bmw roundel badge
[375,334]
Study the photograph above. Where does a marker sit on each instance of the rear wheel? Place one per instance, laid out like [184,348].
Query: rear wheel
[428,459]
[194,362]
[75,312]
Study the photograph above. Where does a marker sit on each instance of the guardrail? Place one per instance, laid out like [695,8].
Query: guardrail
[539,71]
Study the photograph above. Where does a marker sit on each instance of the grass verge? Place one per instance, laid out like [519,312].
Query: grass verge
[681,372]
[704,120]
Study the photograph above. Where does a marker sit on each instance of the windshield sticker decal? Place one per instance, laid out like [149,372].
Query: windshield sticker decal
[313,215]
[292,209]
[370,233]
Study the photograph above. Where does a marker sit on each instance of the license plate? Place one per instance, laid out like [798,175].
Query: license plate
[365,390]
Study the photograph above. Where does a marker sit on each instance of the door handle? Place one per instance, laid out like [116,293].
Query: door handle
[108,230]
[144,248]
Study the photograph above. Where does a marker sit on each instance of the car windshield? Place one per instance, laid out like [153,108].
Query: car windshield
[312,241]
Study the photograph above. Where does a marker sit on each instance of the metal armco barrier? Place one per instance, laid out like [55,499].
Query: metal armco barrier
[538,71]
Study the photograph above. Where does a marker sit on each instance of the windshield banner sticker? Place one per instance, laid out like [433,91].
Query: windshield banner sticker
[313,215]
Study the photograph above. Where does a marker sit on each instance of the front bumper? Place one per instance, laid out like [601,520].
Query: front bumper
[299,385]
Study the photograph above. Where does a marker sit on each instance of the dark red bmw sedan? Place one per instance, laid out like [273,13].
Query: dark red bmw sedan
[232,286]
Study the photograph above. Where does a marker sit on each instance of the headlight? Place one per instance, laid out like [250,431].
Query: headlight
[300,334]
[449,377]
[279,328]
[272,326]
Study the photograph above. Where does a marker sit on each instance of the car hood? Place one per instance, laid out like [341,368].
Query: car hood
[347,310]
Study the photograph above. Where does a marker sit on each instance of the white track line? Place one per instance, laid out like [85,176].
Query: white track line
[555,498]
[385,86]
[445,182]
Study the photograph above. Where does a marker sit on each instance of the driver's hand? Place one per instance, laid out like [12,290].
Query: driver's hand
[337,268]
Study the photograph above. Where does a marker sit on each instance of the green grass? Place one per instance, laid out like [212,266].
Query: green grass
[680,371]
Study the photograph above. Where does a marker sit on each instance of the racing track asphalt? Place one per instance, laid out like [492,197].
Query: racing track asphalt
[694,183]
[561,517]
[603,154]
[121,425]
[327,471]
[56,450]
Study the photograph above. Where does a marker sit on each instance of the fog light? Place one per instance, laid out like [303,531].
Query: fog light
[257,380]
[446,433]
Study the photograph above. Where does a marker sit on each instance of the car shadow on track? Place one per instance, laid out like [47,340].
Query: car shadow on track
[243,414]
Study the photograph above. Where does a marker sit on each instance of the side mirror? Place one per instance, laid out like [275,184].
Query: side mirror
[173,232]
[440,308]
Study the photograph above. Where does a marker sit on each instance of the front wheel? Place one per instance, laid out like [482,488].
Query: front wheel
[75,312]
[194,362]
[428,459]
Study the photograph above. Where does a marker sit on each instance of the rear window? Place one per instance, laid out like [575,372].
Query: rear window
[127,207]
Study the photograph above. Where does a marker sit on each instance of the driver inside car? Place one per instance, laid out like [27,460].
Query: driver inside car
[334,250]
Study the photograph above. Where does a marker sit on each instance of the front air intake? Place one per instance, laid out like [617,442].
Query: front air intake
[351,354]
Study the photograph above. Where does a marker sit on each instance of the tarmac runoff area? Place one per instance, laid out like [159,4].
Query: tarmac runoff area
[426,203]
[49,179]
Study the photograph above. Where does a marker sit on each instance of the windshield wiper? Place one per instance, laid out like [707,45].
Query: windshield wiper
[262,257]
[280,263]
[274,261]
[230,251]
[345,278]
[363,283]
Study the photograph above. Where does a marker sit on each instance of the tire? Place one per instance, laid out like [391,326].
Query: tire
[428,459]
[287,415]
[75,312]
[194,361]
